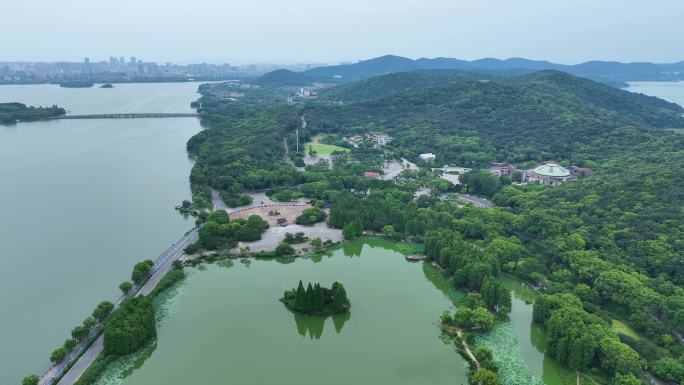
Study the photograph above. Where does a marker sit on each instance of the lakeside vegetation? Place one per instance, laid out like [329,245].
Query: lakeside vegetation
[131,326]
[11,113]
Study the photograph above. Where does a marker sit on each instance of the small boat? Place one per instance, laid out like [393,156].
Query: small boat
[415,258]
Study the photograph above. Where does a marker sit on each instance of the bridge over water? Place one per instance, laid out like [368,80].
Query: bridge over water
[130,115]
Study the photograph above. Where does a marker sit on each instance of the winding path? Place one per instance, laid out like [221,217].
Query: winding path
[477,201]
[459,332]
[470,354]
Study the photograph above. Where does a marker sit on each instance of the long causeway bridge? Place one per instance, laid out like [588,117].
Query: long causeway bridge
[82,356]
[131,115]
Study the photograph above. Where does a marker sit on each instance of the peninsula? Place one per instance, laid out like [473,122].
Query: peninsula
[11,113]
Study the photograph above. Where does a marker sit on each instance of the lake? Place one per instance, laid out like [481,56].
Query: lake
[82,201]
[226,322]
[670,91]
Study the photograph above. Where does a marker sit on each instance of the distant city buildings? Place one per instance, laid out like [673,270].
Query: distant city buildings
[116,69]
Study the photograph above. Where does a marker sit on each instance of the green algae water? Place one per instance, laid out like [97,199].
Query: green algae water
[518,345]
[532,337]
[226,325]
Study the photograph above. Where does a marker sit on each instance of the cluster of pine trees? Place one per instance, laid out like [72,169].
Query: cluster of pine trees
[317,300]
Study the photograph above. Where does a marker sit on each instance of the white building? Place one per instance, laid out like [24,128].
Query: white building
[548,173]
[379,139]
[428,157]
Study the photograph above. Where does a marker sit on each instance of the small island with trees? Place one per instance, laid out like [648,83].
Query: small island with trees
[77,84]
[317,300]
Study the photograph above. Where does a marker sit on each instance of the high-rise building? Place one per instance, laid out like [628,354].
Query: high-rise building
[86,61]
[133,60]
[122,60]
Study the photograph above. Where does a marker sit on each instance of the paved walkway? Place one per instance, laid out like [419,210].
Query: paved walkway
[275,234]
[216,201]
[477,201]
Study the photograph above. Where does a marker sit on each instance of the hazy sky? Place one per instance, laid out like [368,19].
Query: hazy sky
[329,31]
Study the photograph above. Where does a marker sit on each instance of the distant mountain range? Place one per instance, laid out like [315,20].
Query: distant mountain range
[613,73]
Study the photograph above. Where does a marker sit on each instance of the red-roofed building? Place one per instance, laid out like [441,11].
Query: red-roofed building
[371,174]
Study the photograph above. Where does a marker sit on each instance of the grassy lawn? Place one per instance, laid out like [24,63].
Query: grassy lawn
[621,327]
[323,149]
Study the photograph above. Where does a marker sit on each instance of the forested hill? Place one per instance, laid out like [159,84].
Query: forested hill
[472,123]
[563,88]
[638,108]
[385,85]
[364,69]
[283,77]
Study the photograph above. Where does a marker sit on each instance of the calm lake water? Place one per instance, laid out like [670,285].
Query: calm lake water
[670,91]
[81,202]
[226,322]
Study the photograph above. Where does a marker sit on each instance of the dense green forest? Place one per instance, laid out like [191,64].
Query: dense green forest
[242,149]
[11,113]
[602,248]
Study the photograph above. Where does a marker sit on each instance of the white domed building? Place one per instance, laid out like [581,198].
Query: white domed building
[548,173]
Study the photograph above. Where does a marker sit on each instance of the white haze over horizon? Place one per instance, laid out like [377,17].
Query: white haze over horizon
[331,31]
